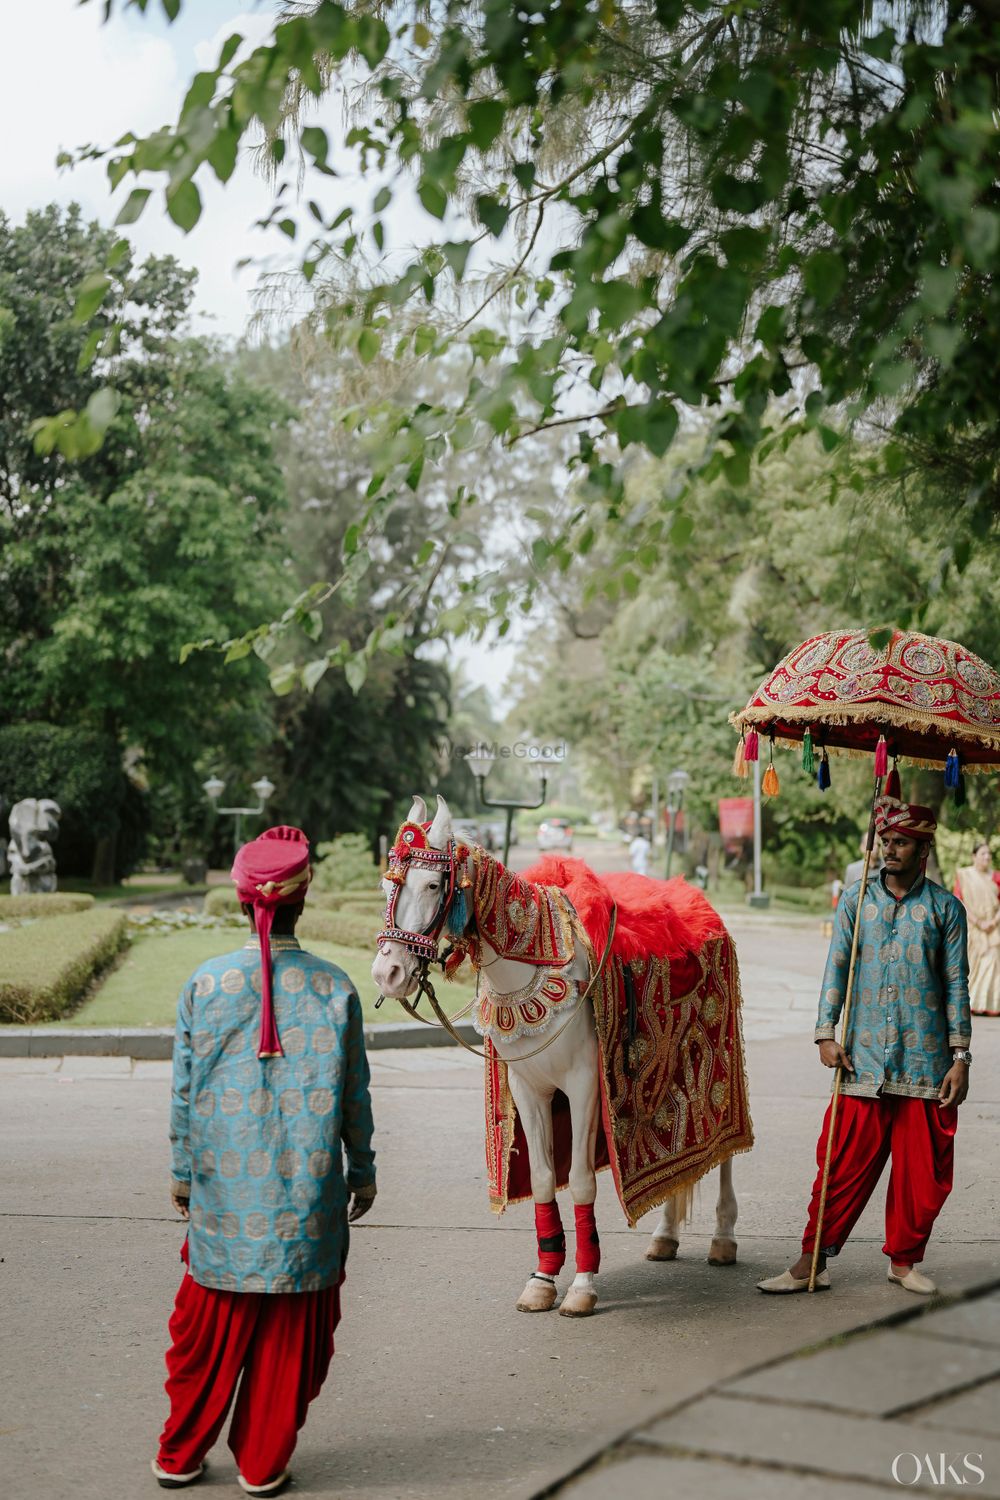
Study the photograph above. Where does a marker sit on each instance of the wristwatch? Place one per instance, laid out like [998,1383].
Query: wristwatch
[962,1054]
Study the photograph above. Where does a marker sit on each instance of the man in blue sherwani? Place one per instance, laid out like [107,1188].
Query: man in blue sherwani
[270,1093]
[907,1060]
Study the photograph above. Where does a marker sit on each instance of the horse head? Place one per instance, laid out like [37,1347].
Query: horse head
[425,898]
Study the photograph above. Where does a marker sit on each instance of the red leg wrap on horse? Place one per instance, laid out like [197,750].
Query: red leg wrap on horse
[551,1240]
[588,1245]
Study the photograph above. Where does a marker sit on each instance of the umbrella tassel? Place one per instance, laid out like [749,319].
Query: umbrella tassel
[960,791]
[740,761]
[881,757]
[952,770]
[770,785]
[751,750]
[892,787]
[823,772]
[808,760]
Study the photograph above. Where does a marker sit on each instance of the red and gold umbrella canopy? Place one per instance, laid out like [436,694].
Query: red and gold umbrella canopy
[927,696]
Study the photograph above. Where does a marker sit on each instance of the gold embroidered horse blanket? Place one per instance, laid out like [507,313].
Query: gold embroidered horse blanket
[672,1072]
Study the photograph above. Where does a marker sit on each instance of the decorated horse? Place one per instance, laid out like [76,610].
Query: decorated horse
[609,1008]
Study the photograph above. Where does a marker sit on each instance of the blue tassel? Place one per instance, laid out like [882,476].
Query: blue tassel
[960,791]
[458,913]
[952,771]
[823,774]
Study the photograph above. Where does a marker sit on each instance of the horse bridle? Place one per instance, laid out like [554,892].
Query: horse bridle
[412,847]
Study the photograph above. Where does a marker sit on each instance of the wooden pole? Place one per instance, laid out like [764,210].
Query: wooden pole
[845,1023]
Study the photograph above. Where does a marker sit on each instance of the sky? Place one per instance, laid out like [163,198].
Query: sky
[67,80]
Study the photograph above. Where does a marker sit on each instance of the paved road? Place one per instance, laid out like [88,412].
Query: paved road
[440,1390]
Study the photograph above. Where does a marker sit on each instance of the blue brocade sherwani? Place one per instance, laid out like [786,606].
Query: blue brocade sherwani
[911,989]
[261,1141]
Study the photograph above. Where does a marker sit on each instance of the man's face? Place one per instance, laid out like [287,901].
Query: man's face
[900,855]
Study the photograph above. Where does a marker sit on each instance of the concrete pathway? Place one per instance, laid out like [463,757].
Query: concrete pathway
[910,1405]
[440,1390]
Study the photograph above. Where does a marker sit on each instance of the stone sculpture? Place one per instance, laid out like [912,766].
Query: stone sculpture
[33,823]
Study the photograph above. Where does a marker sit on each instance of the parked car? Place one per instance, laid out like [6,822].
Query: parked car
[556,833]
[494,833]
[468,831]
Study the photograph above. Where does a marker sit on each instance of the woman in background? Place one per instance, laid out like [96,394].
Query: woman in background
[977,890]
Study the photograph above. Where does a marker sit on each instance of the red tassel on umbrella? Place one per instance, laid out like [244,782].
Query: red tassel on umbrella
[881,756]
[892,788]
[751,750]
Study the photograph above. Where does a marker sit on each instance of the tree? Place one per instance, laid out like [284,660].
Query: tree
[787,217]
[171,530]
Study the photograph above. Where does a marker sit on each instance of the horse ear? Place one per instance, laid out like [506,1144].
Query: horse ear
[440,831]
[418,812]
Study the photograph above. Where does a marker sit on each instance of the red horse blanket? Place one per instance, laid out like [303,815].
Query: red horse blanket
[674,1102]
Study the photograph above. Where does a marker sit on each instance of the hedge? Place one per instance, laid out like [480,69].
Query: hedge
[55,904]
[44,972]
[221,902]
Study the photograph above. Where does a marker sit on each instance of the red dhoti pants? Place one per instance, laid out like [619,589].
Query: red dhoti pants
[282,1345]
[920,1137]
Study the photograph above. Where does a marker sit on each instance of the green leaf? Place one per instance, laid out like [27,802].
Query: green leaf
[654,424]
[172,9]
[682,529]
[119,250]
[237,651]
[223,151]
[356,671]
[382,200]
[101,408]
[491,213]
[89,351]
[433,197]
[426,552]
[313,671]
[369,344]
[184,205]
[229,50]
[824,274]
[315,142]
[89,295]
[284,679]
[486,119]
[456,253]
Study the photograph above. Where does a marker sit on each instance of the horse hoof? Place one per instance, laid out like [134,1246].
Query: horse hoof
[722,1253]
[538,1296]
[660,1249]
[578,1304]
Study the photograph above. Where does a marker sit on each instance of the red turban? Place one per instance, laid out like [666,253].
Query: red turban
[272,871]
[907,818]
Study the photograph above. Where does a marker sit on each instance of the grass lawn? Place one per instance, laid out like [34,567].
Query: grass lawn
[135,888]
[143,990]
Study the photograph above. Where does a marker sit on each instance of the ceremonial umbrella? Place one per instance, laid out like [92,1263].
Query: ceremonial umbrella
[856,692]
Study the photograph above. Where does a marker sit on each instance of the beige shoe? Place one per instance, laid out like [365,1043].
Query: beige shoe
[272,1487]
[168,1481]
[914,1281]
[786,1282]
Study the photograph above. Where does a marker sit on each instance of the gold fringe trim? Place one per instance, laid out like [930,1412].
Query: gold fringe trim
[959,735]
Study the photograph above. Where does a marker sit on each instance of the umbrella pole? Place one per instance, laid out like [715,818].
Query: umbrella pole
[845,1023]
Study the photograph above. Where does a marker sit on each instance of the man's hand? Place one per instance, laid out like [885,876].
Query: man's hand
[360,1204]
[181,1205]
[955,1088]
[832,1054]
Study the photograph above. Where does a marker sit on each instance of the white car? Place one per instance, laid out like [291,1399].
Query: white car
[556,833]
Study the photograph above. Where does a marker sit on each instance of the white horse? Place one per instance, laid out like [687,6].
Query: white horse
[570,1063]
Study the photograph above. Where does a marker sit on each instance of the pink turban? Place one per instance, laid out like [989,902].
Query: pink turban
[272,871]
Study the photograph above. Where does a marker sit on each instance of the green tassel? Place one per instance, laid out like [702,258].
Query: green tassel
[808,764]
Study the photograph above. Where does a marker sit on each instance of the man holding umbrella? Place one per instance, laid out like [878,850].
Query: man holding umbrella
[906,1069]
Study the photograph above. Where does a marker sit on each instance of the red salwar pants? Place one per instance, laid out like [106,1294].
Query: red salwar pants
[920,1137]
[282,1345]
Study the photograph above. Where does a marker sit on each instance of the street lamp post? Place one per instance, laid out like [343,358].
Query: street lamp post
[262,788]
[676,782]
[480,762]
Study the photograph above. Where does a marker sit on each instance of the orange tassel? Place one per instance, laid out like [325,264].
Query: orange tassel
[770,785]
[740,763]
